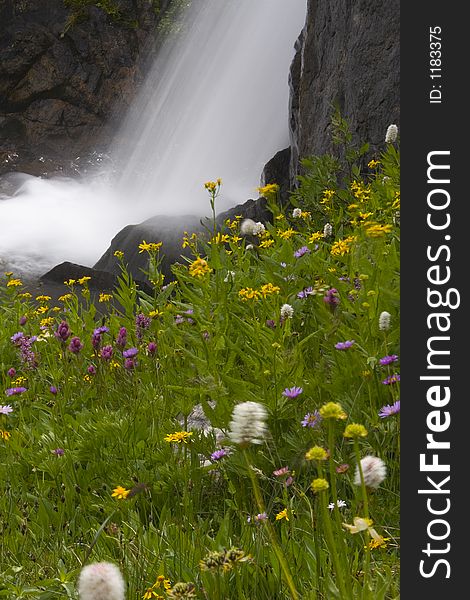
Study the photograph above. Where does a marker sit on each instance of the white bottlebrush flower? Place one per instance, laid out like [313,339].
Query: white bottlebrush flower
[392,133]
[101,581]
[249,247]
[229,277]
[247,226]
[259,228]
[373,470]
[287,312]
[248,424]
[384,321]
[296,213]
[327,230]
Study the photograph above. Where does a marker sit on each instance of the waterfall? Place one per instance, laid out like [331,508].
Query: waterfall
[214,105]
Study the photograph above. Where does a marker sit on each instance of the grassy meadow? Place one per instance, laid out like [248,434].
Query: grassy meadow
[124,430]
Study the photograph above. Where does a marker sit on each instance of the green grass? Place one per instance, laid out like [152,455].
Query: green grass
[58,510]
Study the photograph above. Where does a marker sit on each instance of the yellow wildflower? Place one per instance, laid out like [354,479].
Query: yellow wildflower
[282,515]
[280,217]
[83,280]
[316,453]
[155,313]
[249,294]
[327,195]
[104,297]
[151,593]
[114,364]
[25,295]
[220,238]
[120,492]
[46,322]
[199,268]
[396,202]
[65,297]
[41,310]
[5,435]
[332,410]
[363,524]
[267,243]
[70,282]
[340,248]
[14,283]
[376,230]
[314,237]
[380,542]
[269,191]
[162,582]
[149,246]
[8,273]
[178,437]
[235,239]
[43,298]
[355,430]
[287,233]
[213,186]
[372,164]
[305,214]
[119,254]
[319,485]
[269,288]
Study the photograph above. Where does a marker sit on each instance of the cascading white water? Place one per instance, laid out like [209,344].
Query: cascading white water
[215,104]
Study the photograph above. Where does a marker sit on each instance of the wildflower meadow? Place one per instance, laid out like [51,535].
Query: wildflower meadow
[232,435]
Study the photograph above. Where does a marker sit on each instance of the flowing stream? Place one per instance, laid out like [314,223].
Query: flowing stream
[214,104]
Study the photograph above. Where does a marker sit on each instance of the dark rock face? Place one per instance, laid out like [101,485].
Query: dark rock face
[347,55]
[277,171]
[67,72]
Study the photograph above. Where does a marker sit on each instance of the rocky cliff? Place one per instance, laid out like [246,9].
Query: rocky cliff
[68,71]
[348,56]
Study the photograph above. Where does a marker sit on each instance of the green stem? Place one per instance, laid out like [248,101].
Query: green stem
[271,533]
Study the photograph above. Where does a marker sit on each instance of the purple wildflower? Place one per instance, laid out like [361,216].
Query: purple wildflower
[292,392]
[91,370]
[5,409]
[75,345]
[340,469]
[53,389]
[395,378]
[387,360]
[97,334]
[17,337]
[121,339]
[23,320]
[311,419]
[270,323]
[130,364]
[142,322]
[218,454]
[152,348]
[331,297]
[106,352]
[344,345]
[389,409]
[58,452]
[281,472]
[15,391]
[130,353]
[302,251]
[289,481]
[306,292]
[179,319]
[11,372]
[259,518]
[63,331]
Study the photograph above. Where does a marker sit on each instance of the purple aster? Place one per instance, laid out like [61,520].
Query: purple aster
[292,392]
[75,345]
[23,320]
[152,347]
[389,409]
[5,409]
[15,391]
[395,378]
[17,337]
[11,372]
[121,339]
[53,389]
[387,360]
[344,345]
[179,319]
[63,331]
[311,419]
[130,353]
[301,252]
[106,352]
[58,452]
[91,370]
[261,517]
[101,330]
[218,454]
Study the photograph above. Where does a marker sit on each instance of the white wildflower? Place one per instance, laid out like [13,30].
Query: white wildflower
[101,581]
[327,230]
[259,228]
[230,277]
[249,247]
[287,312]
[392,133]
[247,226]
[296,213]
[384,321]
[340,503]
[248,425]
[373,470]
